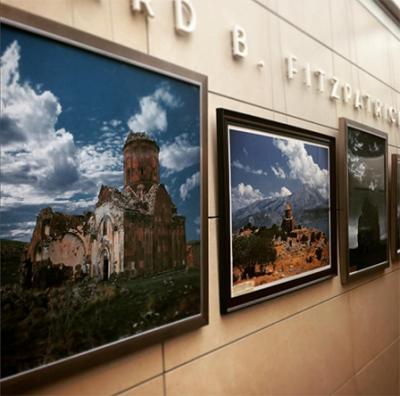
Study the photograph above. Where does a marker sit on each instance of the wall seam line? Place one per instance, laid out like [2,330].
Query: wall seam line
[163,369]
[325,45]
[268,108]
[120,392]
[147,36]
[111,20]
[377,19]
[332,54]
[375,357]
[279,321]
[279,112]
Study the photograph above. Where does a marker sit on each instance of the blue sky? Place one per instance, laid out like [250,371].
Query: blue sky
[65,115]
[264,166]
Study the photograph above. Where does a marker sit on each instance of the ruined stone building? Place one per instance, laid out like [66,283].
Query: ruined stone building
[288,221]
[136,229]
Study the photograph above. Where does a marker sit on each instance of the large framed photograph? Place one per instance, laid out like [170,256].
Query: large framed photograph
[277,199]
[364,200]
[104,199]
[395,184]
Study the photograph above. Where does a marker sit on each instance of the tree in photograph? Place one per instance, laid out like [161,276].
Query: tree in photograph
[251,250]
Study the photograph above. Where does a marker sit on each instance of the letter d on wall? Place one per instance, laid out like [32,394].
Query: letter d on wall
[183,7]
[239,44]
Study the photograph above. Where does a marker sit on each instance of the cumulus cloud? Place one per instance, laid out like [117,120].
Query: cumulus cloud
[191,182]
[110,125]
[302,165]
[284,192]
[32,149]
[114,123]
[278,171]
[357,167]
[244,195]
[179,154]
[40,164]
[237,164]
[152,116]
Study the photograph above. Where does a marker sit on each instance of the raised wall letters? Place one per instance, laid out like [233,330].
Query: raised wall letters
[182,26]
[239,42]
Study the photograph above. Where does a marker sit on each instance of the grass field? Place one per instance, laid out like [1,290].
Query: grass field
[39,326]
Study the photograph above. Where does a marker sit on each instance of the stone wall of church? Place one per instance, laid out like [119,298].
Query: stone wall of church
[61,240]
[107,241]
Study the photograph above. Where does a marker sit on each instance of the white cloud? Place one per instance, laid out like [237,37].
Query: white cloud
[19,230]
[244,195]
[357,167]
[179,154]
[110,125]
[373,184]
[40,164]
[114,123]
[196,221]
[284,192]
[237,164]
[302,165]
[191,182]
[32,149]
[278,171]
[152,117]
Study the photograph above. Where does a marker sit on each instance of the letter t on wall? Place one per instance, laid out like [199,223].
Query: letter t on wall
[137,7]
[182,26]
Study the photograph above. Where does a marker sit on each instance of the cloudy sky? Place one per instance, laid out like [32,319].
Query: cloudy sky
[65,115]
[264,166]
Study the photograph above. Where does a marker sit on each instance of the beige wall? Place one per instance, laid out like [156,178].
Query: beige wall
[325,339]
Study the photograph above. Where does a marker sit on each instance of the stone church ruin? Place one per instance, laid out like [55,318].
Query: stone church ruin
[137,229]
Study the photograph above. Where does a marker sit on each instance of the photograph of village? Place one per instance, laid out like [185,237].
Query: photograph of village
[368,225]
[280,209]
[100,201]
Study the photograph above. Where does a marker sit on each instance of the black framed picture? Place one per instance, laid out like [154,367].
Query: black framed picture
[364,200]
[104,199]
[395,184]
[278,205]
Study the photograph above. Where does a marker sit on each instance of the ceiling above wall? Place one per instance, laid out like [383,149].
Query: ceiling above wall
[392,8]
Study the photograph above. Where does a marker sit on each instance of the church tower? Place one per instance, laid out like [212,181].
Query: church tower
[141,163]
[288,222]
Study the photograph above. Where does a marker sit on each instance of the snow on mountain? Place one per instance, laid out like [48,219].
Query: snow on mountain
[308,206]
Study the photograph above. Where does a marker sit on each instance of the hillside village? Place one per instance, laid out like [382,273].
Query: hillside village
[295,249]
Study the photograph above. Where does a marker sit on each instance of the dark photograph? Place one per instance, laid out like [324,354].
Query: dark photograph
[367,195]
[397,204]
[395,184]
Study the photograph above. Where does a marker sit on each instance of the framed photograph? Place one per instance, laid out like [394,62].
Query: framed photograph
[395,184]
[277,199]
[104,199]
[363,200]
